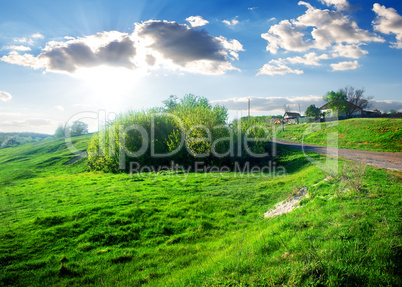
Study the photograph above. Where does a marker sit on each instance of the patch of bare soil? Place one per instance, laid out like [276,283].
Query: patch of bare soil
[287,205]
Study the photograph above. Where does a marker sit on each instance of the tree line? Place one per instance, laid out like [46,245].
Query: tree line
[78,128]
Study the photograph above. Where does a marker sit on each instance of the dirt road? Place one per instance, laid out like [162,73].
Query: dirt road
[387,160]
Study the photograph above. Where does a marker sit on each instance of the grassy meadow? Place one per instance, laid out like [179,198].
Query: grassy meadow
[363,134]
[62,225]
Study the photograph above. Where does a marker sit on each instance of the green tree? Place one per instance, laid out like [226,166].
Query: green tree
[336,102]
[59,133]
[313,111]
[170,103]
[79,128]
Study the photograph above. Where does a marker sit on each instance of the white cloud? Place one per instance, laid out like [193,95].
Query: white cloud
[327,28]
[348,51]
[37,36]
[30,40]
[285,35]
[233,22]
[25,125]
[17,48]
[344,66]
[252,8]
[20,40]
[4,96]
[26,60]
[318,29]
[59,108]
[388,21]
[152,45]
[272,105]
[233,47]
[339,4]
[196,21]
[310,59]
[277,67]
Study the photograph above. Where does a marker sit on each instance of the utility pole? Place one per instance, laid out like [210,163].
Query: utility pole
[248,108]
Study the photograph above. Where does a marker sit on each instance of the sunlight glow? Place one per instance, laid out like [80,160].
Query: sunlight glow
[109,85]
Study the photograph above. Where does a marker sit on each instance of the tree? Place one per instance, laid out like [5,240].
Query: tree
[357,98]
[336,102]
[79,128]
[59,133]
[313,111]
[170,103]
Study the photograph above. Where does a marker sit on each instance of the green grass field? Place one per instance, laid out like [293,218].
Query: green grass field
[61,225]
[364,134]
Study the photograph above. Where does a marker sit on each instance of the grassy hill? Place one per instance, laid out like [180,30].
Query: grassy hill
[364,134]
[62,225]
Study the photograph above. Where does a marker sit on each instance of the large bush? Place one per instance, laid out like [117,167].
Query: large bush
[182,133]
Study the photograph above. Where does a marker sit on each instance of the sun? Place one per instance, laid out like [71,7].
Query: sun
[108,85]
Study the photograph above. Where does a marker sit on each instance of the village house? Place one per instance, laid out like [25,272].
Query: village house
[352,108]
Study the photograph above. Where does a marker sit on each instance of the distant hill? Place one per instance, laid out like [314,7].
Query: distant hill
[15,139]
[26,134]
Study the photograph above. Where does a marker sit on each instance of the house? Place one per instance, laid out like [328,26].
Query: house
[353,110]
[289,115]
[377,112]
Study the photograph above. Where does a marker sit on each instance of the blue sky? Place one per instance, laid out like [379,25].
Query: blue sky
[62,59]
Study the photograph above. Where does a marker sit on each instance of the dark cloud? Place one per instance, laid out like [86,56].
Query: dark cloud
[156,44]
[117,53]
[181,44]
[386,106]
[69,58]
[76,54]
[150,60]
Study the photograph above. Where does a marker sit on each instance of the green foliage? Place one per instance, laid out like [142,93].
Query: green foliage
[170,103]
[78,128]
[336,102]
[313,111]
[59,133]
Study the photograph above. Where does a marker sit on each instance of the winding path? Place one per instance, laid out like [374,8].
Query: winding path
[387,160]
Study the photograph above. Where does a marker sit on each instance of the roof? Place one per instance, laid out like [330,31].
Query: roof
[349,104]
[296,115]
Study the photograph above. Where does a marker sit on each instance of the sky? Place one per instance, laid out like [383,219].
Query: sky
[62,61]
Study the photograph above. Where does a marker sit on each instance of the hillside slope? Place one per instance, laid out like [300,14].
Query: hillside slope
[363,134]
[61,225]
[46,157]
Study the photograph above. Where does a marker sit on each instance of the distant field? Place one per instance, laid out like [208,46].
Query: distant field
[63,226]
[364,134]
